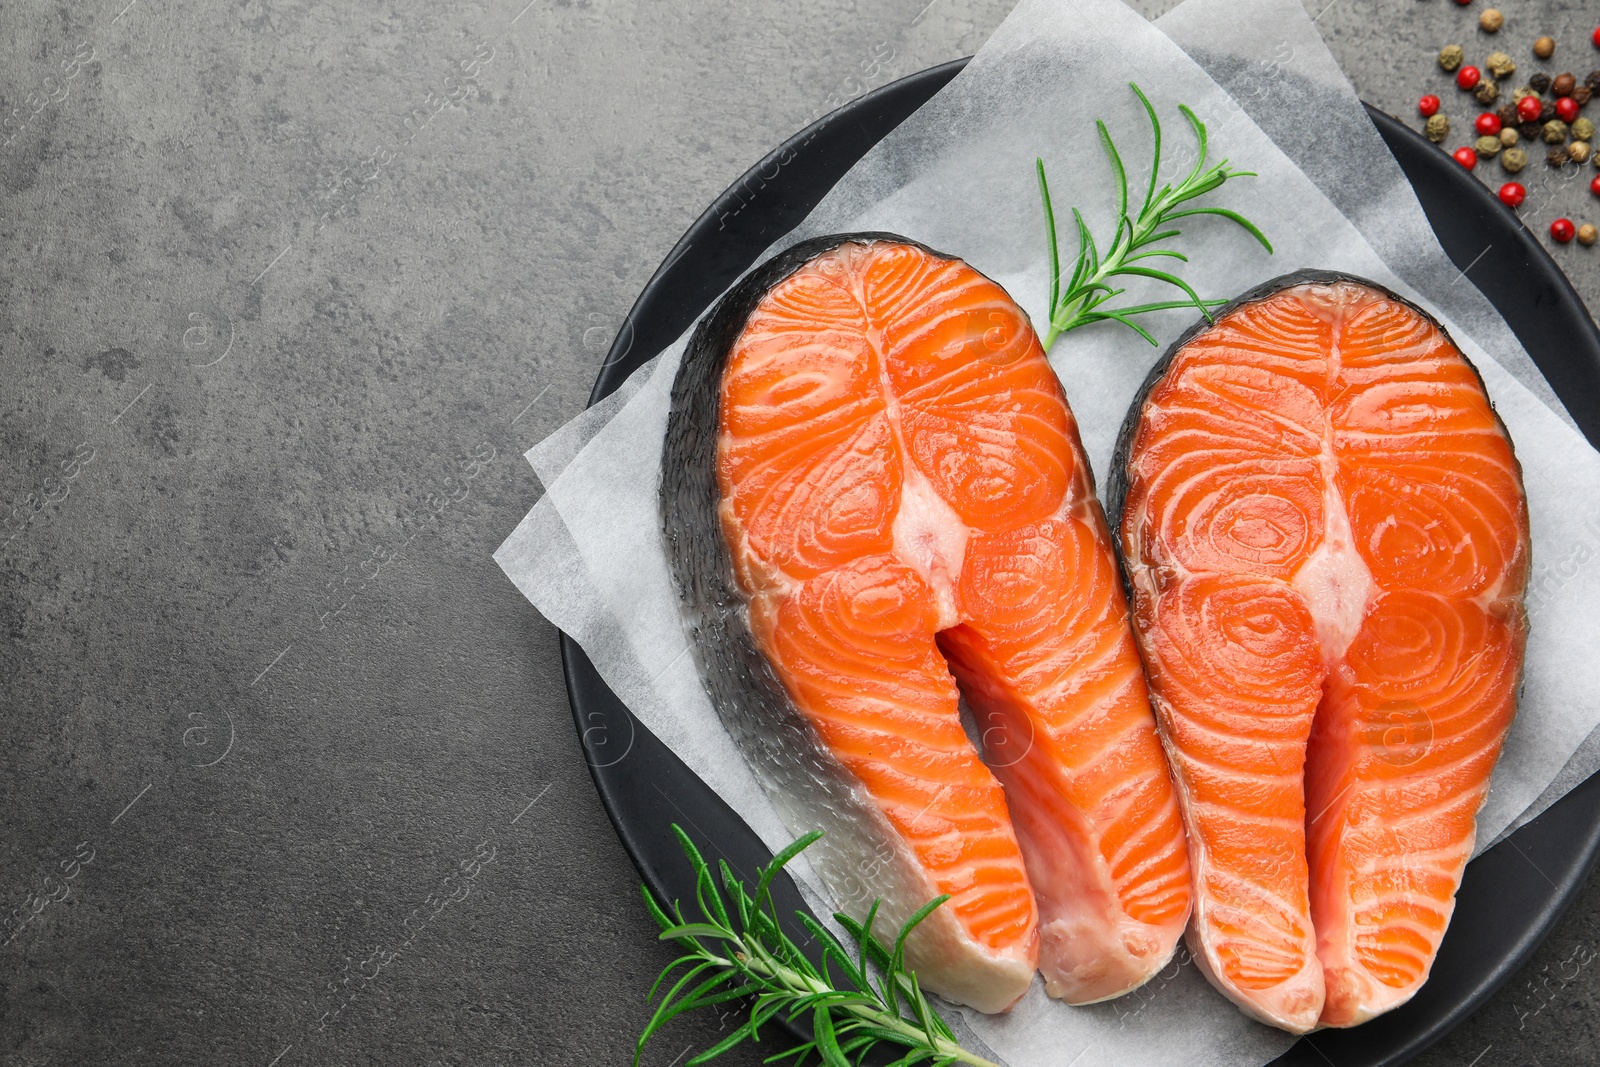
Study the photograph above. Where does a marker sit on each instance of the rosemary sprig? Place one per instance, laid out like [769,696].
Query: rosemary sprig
[1091,286]
[744,955]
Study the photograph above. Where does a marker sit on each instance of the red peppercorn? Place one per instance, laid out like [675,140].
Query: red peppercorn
[1487,124]
[1566,109]
[1468,77]
[1463,3]
[1594,187]
[1596,37]
[1512,194]
[1428,106]
[1466,156]
[1529,108]
[1563,230]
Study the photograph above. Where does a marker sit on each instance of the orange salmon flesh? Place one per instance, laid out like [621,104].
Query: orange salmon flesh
[1327,541]
[911,519]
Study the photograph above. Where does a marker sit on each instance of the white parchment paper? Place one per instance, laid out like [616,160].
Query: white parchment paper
[958,175]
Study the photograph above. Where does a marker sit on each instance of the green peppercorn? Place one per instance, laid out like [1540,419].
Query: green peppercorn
[1488,91]
[1500,64]
[1521,91]
[1451,55]
[1487,147]
[1438,128]
[1555,131]
[1513,160]
[1583,129]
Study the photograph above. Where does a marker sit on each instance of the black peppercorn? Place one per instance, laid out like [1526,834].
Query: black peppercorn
[1563,84]
[1582,95]
[1593,81]
[1540,82]
[1549,111]
[1530,130]
[1507,114]
[1556,156]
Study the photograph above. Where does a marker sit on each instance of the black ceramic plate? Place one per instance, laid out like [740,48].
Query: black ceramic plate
[1512,894]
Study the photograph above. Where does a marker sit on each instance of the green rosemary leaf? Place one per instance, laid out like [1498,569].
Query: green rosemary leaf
[1199,136]
[827,1043]
[1249,226]
[1116,316]
[1121,174]
[738,1037]
[1050,234]
[1159,252]
[1155,160]
[697,930]
[781,860]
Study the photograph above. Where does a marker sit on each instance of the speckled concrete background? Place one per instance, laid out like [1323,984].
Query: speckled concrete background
[288,759]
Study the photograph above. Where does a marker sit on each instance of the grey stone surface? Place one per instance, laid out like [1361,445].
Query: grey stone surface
[268,358]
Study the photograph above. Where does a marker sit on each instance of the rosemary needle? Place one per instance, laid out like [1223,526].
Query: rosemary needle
[1091,287]
[743,955]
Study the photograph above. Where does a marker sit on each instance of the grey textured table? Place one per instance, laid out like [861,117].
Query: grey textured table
[287,756]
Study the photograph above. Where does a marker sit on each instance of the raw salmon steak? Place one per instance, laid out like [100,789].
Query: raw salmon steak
[1326,542]
[875,501]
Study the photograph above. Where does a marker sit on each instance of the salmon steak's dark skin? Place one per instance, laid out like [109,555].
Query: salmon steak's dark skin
[875,502]
[1325,539]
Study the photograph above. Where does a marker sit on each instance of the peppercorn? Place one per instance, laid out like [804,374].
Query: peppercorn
[1491,20]
[1562,230]
[1487,124]
[1530,130]
[1451,56]
[1593,80]
[1540,82]
[1488,146]
[1428,106]
[1578,152]
[1587,234]
[1555,131]
[1566,108]
[1563,84]
[1582,94]
[1544,47]
[1583,130]
[1466,157]
[1500,64]
[1512,194]
[1529,108]
[1556,157]
[1522,92]
[1508,137]
[1438,128]
[1513,160]
[1594,186]
[1507,114]
[1468,78]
